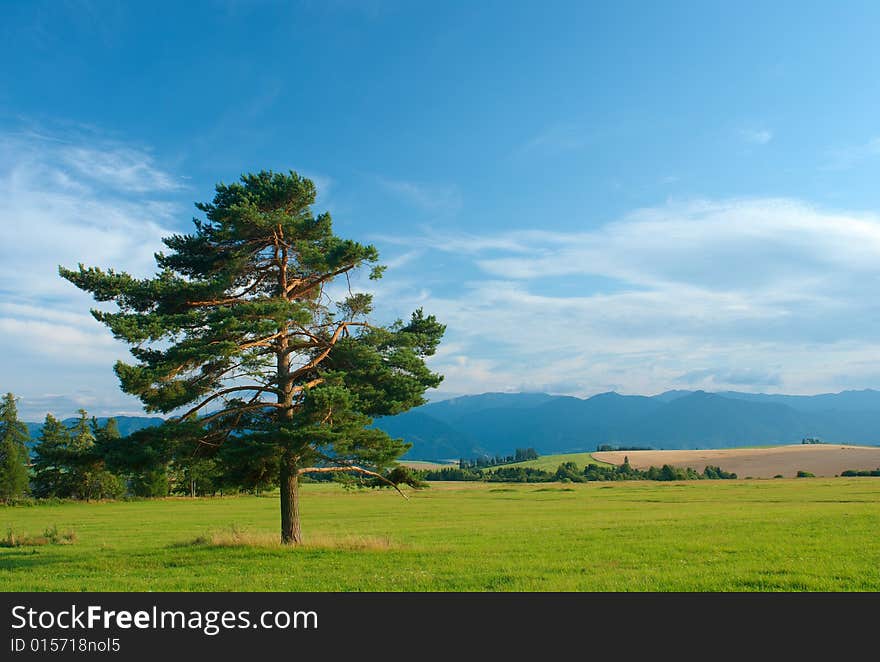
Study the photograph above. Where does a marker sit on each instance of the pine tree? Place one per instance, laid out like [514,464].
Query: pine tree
[79,452]
[13,451]
[100,482]
[51,459]
[237,332]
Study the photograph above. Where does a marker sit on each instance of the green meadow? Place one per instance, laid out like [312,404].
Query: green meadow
[551,462]
[774,535]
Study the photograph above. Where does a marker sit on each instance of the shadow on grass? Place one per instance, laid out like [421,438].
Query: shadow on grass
[22,559]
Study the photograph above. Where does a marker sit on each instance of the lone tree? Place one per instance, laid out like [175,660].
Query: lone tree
[240,331]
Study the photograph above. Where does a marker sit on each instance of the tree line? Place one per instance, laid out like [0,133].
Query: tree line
[519,455]
[91,461]
[570,472]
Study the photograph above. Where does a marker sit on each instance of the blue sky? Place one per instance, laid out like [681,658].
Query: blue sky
[593,196]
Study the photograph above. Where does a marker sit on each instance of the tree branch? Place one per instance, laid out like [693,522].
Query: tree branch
[215,302]
[355,469]
[225,392]
[257,405]
[323,355]
[291,291]
[262,342]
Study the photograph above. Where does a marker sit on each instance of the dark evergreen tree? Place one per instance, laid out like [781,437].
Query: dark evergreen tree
[237,330]
[101,483]
[82,441]
[14,458]
[70,464]
[51,459]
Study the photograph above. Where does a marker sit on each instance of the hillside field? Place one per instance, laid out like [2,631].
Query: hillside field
[551,462]
[424,464]
[766,462]
[776,535]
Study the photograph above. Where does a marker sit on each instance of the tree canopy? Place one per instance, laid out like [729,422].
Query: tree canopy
[13,451]
[246,337]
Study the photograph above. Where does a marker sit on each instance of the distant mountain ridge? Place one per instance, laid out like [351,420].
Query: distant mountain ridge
[127,424]
[497,423]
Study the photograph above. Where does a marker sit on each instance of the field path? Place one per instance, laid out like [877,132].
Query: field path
[821,460]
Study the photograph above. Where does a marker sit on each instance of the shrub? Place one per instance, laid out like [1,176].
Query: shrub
[569,472]
[805,474]
[717,473]
[51,536]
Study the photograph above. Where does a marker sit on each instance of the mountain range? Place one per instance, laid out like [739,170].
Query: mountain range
[126,424]
[497,423]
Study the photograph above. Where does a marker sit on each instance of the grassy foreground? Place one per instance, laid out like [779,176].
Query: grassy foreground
[788,535]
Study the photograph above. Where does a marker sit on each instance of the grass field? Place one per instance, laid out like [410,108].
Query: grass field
[775,535]
[551,462]
[423,464]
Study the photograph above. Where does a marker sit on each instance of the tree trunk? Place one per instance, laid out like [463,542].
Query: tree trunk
[291,532]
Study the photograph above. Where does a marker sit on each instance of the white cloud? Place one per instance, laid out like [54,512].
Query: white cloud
[69,200]
[752,293]
[55,214]
[462,242]
[849,156]
[556,138]
[119,168]
[433,198]
[403,259]
[756,136]
[770,294]
[735,245]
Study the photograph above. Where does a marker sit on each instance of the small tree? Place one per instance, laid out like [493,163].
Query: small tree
[70,463]
[51,459]
[80,450]
[13,451]
[141,460]
[101,482]
[239,331]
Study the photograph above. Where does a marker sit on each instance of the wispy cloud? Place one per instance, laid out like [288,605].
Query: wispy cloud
[711,377]
[56,214]
[728,287]
[71,199]
[756,136]
[403,259]
[556,138]
[433,198]
[464,242]
[120,168]
[847,157]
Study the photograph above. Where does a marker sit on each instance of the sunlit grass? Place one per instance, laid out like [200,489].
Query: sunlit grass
[760,535]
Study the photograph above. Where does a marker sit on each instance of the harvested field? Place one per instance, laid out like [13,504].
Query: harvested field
[821,460]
